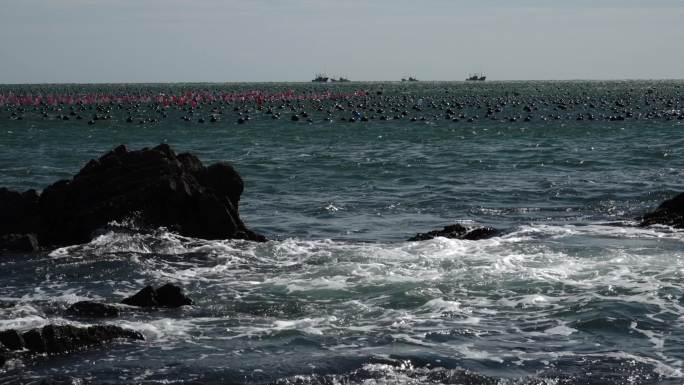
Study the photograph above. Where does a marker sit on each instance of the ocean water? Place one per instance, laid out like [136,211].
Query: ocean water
[571,292]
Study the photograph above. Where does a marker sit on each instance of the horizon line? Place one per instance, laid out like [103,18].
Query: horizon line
[335,83]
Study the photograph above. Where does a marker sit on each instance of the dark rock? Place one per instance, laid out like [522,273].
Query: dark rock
[156,186]
[147,297]
[166,296]
[19,242]
[457,231]
[11,339]
[670,213]
[34,341]
[172,296]
[18,211]
[66,339]
[54,339]
[93,309]
[481,233]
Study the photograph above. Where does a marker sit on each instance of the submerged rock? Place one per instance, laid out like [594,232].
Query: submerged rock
[458,231]
[166,296]
[93,309]
[156,186]
[62,339]
[669,213]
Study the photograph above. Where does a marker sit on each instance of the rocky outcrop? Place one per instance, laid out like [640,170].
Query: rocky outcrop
[54,339]
[156,187]
[166,296]
[93,310]
[669,213]
[458,231]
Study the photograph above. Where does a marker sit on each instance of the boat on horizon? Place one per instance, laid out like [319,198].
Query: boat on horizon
[476,77]
[410,79]
[320,78]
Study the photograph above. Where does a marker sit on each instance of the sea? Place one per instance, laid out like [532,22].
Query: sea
[338,177]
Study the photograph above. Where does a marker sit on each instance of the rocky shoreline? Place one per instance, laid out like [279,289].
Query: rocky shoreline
[53,340]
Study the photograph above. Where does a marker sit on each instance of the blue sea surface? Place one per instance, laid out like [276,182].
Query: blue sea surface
[571,292]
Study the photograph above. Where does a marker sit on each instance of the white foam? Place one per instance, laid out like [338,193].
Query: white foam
[560,330]
[439,306]
[314,326]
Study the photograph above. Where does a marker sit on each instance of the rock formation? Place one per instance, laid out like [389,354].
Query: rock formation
[670,213]
[165,296]
[54,339]
[155,187]
[458,231]
[93,310]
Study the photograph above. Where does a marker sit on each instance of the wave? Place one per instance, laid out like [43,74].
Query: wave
[538,299]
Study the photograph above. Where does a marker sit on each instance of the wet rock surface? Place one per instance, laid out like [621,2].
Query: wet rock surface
[669,213]
[93,309]
[166,296]
[155,187]
[60,339]
[458,231]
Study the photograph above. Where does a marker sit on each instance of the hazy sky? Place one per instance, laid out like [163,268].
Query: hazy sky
[291,40]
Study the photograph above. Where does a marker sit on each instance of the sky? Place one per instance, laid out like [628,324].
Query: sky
[115,41]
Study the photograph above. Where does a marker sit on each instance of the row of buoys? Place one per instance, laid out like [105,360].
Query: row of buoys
[188,98]
[360,106]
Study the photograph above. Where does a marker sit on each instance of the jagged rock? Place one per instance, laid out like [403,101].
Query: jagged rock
[11,339]
[481,233]
[93,309]
[34,341]
[166,296]
[54,339]
[457,231]
[147,297]
[172,296]
[19,242]
[156,186]
[670,213]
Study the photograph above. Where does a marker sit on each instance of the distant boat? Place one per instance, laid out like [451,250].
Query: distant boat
[476,78]
[410,79]
[321,78]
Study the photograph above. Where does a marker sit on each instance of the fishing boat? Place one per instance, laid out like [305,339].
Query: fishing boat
[476,77]
[320,78]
